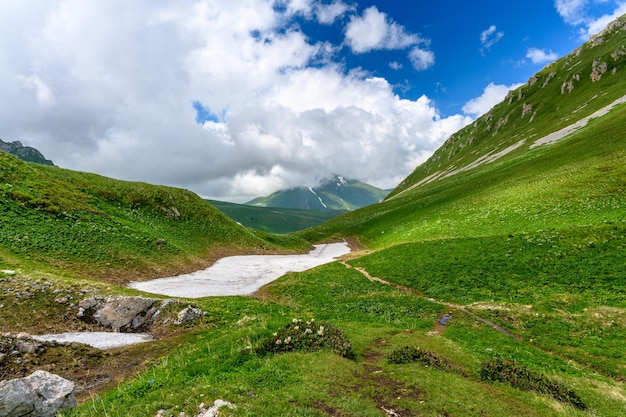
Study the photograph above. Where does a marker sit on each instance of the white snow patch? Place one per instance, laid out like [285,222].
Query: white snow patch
[99,340]
[318,197]
[560,134]
[240,275]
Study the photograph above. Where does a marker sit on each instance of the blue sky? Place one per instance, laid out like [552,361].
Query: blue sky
[236,99]
[471,44]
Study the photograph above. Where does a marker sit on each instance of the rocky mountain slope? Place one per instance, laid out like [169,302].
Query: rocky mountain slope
[25,153]
[556,101]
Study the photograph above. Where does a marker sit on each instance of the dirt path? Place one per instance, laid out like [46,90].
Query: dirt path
[439,328]
[447,304]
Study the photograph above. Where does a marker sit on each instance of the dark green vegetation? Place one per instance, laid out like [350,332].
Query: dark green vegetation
[412,354]
[275,219]
[309,336]
[337,193]
[519,376]
[527,251]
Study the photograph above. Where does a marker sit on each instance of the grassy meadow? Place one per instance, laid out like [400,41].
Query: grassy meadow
[528,256]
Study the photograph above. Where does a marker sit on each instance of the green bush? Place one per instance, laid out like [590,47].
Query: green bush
[307,336]
[521,377]
[412,354]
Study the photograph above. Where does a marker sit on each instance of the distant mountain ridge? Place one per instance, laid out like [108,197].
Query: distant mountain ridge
[25,153]
[337,193]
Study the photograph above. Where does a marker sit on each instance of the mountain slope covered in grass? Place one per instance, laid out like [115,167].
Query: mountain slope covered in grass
[337,193]
[561,95]
[92,225]
[558,163]
[275,219]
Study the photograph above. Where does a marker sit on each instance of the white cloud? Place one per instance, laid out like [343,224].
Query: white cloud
[109,87]
[43,93]
[580,13]
[492,95]
[374,30]
[539,56]
[594,26]
[572,11]
[421,58]
[489,37]
[328,13]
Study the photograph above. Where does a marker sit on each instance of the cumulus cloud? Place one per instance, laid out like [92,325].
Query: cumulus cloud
[492,95]
[572,11]
[489,37]
[421,58]
[374,30]
[328,13]
[539,56]
[43,93]
[228,99]
[579,13]
[594,26]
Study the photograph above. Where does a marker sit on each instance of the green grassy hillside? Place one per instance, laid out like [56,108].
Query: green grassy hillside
[564,92]
[89,225]
[275,219]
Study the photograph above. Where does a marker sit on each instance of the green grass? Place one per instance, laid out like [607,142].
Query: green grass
[97,226]
[275,219]
[577,181]
[220,363]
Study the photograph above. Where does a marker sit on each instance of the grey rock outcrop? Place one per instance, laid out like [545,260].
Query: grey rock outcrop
[188,315]
[40,394]
[122,314]
[25,153]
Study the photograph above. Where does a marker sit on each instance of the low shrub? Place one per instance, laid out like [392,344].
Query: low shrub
[412,354]
[521,377]
[307,336]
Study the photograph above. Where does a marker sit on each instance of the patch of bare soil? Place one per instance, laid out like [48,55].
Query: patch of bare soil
[388,391]
[94,371]
[35,305]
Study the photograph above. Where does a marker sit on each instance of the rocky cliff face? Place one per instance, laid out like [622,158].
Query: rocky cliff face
[25,153]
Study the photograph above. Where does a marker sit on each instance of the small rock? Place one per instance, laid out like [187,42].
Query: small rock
[189,314]
[26,346]
[245,320]
[214,410]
